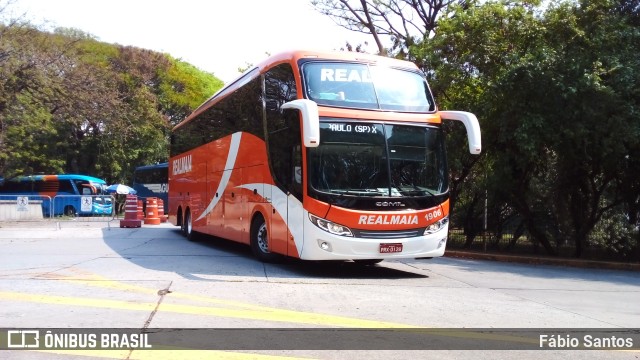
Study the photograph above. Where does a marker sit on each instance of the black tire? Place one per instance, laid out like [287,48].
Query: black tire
[69,211]
[187,227]
[183,229]
[367,262]
[260,241]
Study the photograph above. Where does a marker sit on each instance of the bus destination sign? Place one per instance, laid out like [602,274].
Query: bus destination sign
[363,128]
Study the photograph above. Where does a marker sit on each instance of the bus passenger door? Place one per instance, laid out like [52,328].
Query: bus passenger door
[295,216]
[286,199]
[288,214]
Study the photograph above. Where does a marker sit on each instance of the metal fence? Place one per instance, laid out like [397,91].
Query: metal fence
[19,207]
[512,242]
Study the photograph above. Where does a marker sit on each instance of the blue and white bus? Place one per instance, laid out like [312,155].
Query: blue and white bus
[66,194]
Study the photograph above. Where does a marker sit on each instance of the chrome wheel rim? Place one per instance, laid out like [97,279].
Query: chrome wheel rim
[263,240]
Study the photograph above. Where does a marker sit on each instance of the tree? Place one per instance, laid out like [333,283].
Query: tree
[30,68]
[405,22]
[69,103]
[599,98]
[557,95]
[182,88]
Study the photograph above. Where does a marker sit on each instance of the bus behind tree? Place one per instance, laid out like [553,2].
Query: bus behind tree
[318,156]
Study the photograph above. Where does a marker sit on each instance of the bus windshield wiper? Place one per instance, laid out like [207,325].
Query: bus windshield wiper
[415,190]
[358,192]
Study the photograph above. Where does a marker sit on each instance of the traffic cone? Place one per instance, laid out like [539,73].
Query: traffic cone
[161,215]
[140,210]
[131,213]
[152,212]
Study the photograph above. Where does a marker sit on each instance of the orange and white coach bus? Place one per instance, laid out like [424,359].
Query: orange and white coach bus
[318,156]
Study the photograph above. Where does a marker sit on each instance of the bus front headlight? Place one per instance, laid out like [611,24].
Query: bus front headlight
[330,227]
[436,226]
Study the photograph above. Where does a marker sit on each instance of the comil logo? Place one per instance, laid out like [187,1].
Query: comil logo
[23,339]
[390,204]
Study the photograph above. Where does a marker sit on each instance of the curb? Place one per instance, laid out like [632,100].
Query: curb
[578,263]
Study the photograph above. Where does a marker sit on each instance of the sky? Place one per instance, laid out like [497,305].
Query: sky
[217,36]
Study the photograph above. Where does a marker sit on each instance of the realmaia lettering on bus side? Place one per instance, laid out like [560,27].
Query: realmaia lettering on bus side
[182,165]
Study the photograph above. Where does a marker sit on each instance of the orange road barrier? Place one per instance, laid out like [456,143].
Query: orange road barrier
[131,213]
[161,215]
[140,210]
[152,212]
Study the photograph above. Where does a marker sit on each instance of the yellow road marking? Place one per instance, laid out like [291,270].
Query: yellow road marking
[99,281]
[266,314]
[65,300]
[246,310]
[232,309]
[273,315]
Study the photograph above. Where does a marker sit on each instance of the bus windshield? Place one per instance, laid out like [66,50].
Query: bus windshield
[367,87]
[372,159]
[90,188]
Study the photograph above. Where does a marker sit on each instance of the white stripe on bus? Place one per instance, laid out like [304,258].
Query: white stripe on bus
[226,175]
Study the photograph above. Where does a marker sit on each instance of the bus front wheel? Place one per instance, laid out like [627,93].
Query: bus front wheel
[260,241]
[69,210]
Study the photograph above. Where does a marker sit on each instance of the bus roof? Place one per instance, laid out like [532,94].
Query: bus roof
[153,166]
[294,56]
[58,177]
[333,55]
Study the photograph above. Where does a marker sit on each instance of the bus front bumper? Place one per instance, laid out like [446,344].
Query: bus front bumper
[322,245]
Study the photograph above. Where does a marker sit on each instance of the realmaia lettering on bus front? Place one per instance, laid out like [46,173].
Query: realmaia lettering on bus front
[345,75]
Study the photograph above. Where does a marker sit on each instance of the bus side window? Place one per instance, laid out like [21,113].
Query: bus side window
[67,187]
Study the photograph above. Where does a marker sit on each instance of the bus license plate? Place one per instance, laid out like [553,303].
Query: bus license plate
[390,248]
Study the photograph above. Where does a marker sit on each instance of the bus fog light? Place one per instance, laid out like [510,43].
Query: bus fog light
[324,245]
[436,226]
[442,242]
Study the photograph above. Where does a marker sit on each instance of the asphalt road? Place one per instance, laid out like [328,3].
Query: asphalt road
[89,276]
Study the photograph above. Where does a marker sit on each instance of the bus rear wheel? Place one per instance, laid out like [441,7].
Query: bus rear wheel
[260,241]
[187,227]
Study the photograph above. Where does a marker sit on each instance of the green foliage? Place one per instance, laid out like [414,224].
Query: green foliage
[183,88]
[30,145]
[69,103]
[73,33]
[557,95]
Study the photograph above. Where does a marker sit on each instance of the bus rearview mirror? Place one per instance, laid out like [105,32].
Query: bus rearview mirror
[470,122]
[310,120]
